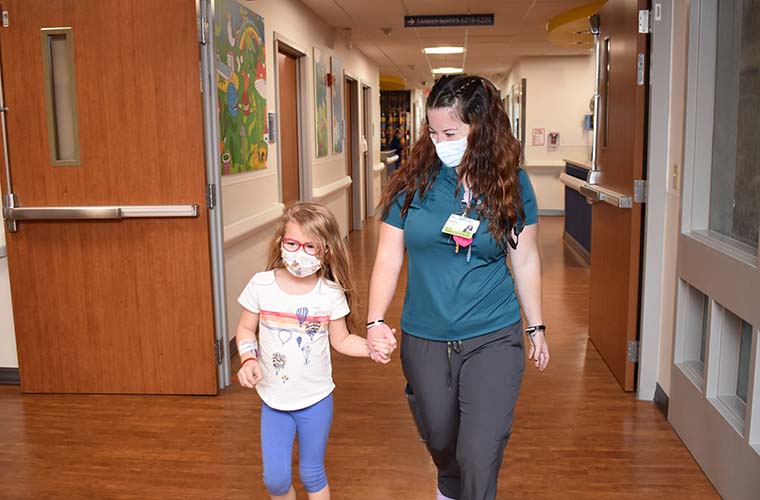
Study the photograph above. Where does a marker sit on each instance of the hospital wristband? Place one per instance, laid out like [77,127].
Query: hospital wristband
[248,346]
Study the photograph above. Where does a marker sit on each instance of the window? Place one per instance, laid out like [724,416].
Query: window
[696,321]
[733,367]
[742,376]
[734,209]
[60,92]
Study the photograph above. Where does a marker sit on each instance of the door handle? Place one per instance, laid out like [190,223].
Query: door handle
[13,214]
[60,213]
[595,193]
[592,195]
[572,182]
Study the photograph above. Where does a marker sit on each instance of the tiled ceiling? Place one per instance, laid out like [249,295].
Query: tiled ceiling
[518,31]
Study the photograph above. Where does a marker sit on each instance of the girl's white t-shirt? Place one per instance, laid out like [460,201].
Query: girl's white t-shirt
[294,344]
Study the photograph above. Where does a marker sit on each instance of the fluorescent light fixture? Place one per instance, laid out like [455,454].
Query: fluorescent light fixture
[443,50]
[447,71]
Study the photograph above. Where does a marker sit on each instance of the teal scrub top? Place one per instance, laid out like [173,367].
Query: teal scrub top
[448,298]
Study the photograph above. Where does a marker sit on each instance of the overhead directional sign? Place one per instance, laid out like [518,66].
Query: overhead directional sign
[448,20]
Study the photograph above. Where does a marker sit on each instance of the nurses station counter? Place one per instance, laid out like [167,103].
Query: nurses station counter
[577,233]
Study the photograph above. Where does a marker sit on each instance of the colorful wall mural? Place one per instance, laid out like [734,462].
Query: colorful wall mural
[338,123]
[241,84]
[321,111]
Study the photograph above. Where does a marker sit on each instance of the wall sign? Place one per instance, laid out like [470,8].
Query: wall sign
[448,20]
[537,137]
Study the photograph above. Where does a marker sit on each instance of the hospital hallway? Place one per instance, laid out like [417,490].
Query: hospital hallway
[576,434]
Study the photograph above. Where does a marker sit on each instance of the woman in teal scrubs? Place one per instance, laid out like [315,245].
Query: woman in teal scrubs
[457,210]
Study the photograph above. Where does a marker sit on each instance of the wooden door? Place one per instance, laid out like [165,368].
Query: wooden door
[110,306]
[287,83]
[617,232]
[349,129]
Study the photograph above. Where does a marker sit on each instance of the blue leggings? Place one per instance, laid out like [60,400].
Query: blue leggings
[278,430]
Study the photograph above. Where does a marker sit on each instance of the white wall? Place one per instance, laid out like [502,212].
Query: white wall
[669,282]
[252,198]
[676,125]
[8,357]
[558,93]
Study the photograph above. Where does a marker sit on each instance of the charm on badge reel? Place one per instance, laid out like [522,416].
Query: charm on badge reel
[464,243]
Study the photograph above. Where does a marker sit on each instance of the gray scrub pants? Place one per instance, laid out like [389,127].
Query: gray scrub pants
[462,395]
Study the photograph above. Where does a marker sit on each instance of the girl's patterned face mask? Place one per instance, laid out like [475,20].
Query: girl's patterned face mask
[299,263]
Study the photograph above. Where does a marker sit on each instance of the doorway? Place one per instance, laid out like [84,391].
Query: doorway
[369,168]
[353,163]
[618,164]
[290,133]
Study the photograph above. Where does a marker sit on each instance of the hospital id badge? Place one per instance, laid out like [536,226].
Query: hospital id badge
[459,225]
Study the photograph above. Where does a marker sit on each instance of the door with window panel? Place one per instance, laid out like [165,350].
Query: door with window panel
[715,386]
[104,188]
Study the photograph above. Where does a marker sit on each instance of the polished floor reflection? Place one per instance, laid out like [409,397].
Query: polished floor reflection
[576,436]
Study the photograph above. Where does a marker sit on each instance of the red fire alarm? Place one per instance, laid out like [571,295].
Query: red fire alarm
[330,79]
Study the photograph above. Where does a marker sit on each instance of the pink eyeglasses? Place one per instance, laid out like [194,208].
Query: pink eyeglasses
[292,245]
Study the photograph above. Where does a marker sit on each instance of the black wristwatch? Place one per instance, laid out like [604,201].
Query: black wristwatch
[532,330]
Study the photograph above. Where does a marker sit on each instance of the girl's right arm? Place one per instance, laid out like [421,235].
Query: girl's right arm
[250,372]
[382,285]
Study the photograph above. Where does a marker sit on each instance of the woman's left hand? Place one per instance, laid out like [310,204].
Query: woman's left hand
[539,350]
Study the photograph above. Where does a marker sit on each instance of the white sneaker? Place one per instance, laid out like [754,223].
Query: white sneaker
[441,496]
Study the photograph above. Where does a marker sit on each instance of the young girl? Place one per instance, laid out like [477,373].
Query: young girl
[305,296]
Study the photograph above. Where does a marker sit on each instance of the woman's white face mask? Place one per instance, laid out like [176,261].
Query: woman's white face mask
[451,152]
[449,135]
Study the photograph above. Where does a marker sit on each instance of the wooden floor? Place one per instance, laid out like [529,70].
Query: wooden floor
[576,434]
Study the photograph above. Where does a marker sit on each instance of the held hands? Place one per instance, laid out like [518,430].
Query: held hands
[539,350]
[381,342]
[249,374]
[382,347]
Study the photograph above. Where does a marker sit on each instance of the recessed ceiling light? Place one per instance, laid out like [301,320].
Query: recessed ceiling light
[446,71]
[443,50]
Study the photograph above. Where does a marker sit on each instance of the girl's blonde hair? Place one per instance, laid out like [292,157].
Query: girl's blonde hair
[320,225]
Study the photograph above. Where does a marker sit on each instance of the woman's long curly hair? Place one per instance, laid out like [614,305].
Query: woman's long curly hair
[320,225]
[490,163]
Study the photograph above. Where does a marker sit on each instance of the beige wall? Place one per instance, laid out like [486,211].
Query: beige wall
[559,91]
[251,200]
